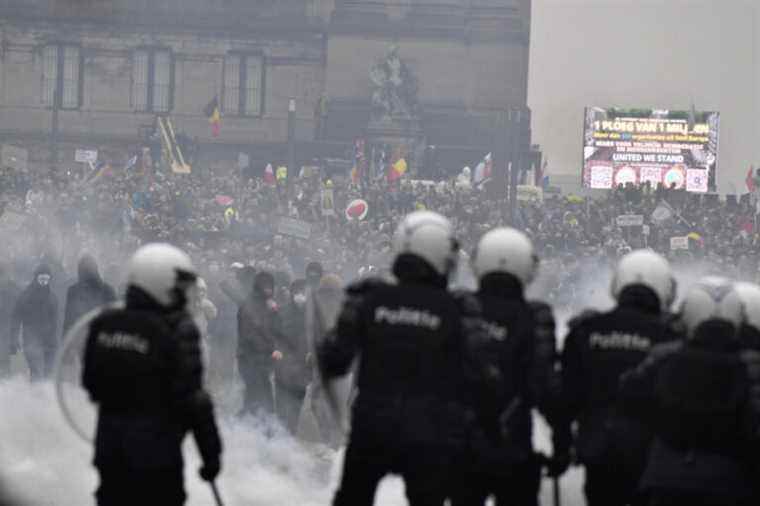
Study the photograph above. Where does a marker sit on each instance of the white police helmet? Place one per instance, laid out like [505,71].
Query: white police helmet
[429,236]
[162,271]
[505,250]
[749,293]
[712,298]
[647,268]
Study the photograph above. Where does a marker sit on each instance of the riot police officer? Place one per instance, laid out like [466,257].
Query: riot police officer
[695,395]
[143,369]
[499,458]
[750,355]
[598,350]
[408,417]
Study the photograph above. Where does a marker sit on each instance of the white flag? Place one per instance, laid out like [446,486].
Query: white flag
[483,170]
[662,213]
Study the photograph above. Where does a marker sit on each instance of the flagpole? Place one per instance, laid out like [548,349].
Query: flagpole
[514,165]
[291,140]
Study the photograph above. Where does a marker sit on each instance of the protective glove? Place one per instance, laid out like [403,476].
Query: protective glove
[210,470]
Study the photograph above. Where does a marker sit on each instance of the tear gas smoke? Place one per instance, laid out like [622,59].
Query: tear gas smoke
[45,463]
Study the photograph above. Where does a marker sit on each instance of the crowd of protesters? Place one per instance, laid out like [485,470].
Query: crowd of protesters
[71,232]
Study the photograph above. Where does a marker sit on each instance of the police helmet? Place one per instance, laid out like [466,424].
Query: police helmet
[647,268]
[162,271]
[428,236]
[749,293]
[505,250]
[712,299]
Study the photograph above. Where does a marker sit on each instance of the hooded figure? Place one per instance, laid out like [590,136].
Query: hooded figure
[314,272]
[88,293]
[36,316]
[258,332]
[9,292]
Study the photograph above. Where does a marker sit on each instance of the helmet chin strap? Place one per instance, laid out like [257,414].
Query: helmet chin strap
[179,299]
[180,293]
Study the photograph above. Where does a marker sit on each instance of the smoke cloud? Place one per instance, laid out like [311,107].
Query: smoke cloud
[45,463]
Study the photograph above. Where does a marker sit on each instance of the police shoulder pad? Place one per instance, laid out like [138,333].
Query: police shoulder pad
[542,311]
[674,325]
[365,286]
[663,350]
[467,302]
[582,318]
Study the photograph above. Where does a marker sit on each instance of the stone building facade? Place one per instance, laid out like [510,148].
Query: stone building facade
[95,73]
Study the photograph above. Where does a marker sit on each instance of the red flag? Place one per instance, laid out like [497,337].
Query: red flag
[397,171]
[269,175]
[746,225]
[214,116]
[750,180]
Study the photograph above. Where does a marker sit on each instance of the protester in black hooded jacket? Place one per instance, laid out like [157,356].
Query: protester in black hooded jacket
[259,328]
[88,293]
[36,312]
[314,273]
[9,293]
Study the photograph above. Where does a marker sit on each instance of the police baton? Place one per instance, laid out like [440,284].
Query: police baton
[215,491]
[556,491]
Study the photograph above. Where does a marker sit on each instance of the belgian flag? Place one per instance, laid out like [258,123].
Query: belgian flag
[214,116]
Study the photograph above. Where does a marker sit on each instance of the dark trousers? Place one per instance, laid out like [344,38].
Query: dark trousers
[518,486]
[678,498]
[289,405]
[609,485]
[425,472]
[258,387]
[120,486]
[40,361]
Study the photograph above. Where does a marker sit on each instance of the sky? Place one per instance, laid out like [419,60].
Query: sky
[646,53]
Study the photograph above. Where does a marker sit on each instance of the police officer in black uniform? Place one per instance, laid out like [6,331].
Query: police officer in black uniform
[499,458]
[750,356]
[598,350]
[408,417]
[142,367]
[696,396]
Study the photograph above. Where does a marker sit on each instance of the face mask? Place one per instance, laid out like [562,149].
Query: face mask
[43,279]
[299,299]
